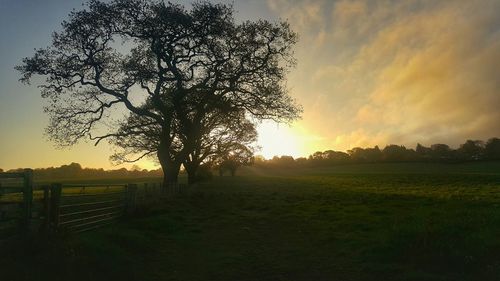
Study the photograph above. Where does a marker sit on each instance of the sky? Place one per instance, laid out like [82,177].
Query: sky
[368,73]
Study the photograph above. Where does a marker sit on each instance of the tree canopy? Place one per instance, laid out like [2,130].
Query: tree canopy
[149,76]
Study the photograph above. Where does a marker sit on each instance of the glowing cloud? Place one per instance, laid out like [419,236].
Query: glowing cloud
[397,71]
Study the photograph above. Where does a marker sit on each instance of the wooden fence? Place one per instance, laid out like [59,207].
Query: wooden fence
[71,207]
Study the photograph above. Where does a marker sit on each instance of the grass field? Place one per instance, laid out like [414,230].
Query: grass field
[359,222]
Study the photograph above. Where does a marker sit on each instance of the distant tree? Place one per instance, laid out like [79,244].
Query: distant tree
[328,157]
[492,149]
[173,69]
[372,154]
[441,151]
[357,154]
[363,155]
[283,161]
[1,170]
[286,161]
[75,171]
[119,173]
[318,155]
[472,150]
[239,156]
[423,153]
[301,161]
[396,153]
[223,134]
[332,157]
[135,168]
[72,170]
[259,160]
[204,172]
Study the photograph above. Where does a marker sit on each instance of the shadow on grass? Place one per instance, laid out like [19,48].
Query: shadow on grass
[344,227]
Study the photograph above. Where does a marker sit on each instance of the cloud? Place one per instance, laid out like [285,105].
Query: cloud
[380,72]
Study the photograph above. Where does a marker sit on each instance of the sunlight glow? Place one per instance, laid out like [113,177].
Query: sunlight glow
[146,164]
[276,140]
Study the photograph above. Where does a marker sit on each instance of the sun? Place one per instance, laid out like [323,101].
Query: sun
[276,140]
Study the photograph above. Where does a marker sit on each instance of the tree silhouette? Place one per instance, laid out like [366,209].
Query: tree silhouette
[237,156]
[471,150]
[220,133]
[423,152]
[394,152]
[226,136]
[440,151]
[328,157]
[492,148]
[145,74]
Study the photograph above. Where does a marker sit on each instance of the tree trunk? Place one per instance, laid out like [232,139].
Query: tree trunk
[170,174]
[191,178]
[191,169]
[169,166]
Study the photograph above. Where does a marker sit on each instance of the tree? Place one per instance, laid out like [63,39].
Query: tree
[422,152]
[220,133]
[332,157]
[373,154]
[472,150]
[283,161]
[357,154]
[224,136]
[240,155]
[144,74]
[394,152]
[492,148]
[441,151]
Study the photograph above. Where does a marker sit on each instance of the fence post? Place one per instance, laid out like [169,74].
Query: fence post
[2,212]
[131,203]
[55,204]
[27,197]
[46,208]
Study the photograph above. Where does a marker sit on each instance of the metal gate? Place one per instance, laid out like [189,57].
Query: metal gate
[77,208]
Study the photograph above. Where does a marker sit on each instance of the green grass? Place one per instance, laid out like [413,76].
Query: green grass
[367,222]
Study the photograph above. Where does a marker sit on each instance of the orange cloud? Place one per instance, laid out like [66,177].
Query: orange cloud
[397,71]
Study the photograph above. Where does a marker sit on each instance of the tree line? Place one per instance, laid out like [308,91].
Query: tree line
[76,171]
[471,150]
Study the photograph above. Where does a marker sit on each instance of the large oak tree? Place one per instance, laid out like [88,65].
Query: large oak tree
[116,68]
[221,133]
